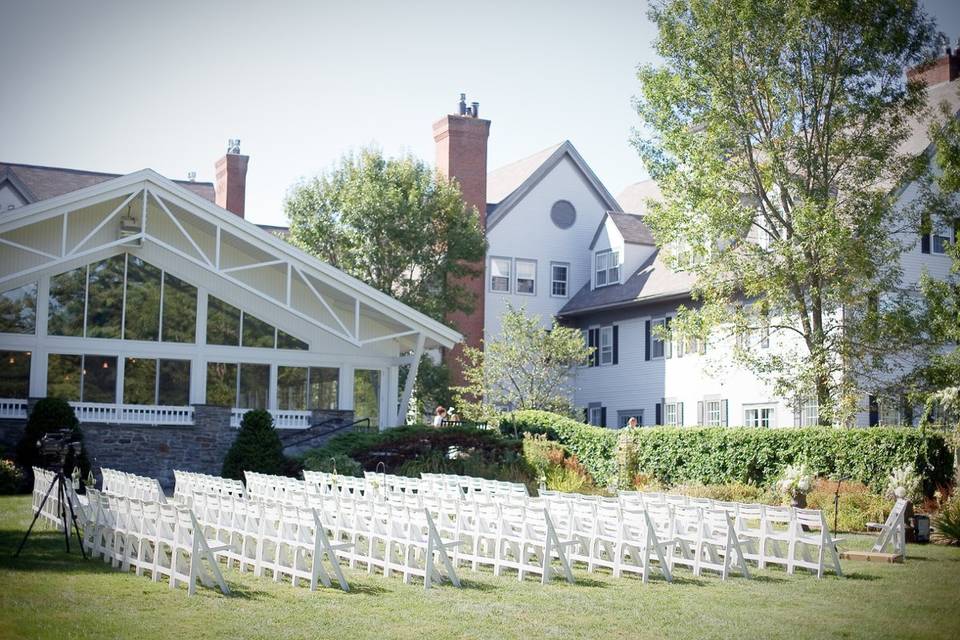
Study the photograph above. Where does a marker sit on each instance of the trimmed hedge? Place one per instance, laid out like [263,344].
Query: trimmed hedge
[720,455]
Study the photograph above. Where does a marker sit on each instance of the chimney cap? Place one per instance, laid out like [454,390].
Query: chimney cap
[233,146]
[192,176]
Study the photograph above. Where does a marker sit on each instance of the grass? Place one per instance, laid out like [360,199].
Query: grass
[48,594]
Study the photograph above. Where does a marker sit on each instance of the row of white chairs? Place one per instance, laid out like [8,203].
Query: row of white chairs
[376,536]
[129,485]
[471,484]
[164,540]
[50,513]
[186,483]
[780,535]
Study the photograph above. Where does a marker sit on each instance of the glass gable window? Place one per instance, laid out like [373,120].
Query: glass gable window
[366,395]
[292,388]
[257,333]
[527,277]
[142,309]
[559,275]
[163,382]
[18,310]
[324,387]
[87,378]
[254,386]
[68,294]
[287,341]
[500,275]
[105,298]
[222,383]
[223,323]
[179,310]
[15,374]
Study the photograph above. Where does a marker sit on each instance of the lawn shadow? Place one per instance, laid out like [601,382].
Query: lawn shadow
[363,589]
[768,579]
[45,551]
[240,592]
[865,577]
[473,585]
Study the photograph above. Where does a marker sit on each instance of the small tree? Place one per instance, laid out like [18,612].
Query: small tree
[47,415]
[525,367]
[257,447]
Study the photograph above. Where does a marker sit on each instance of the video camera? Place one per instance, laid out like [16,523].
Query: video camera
[55,446]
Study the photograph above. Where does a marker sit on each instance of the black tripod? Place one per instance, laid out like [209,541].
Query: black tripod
[60,482]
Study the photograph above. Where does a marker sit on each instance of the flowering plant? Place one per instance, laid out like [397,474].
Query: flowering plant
[796,481]
[903,483]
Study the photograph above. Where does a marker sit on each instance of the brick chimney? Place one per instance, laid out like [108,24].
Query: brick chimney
[946,68]
[232,179]
[461,140]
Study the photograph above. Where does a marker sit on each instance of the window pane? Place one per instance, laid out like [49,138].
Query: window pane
[292,388]
[324,387]
[142,321]
[179,310]
[223,323]
[222,383]
[173,386]
[63,376]
[500,274]
[287,341]
[139,381]
[18,309]
[559,280]
[105,298]
[15,374]
[257,333]
[366,395]
[526,276]
[99,379]
[67,295]
[254,385]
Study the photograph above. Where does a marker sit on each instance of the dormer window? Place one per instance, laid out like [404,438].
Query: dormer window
[607,270]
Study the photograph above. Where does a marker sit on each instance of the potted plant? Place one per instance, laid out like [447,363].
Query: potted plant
[795,483]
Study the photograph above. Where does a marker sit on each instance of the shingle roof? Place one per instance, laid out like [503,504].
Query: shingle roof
[507,179]
[633,198]
[632,227]
[49,182]
[653,280]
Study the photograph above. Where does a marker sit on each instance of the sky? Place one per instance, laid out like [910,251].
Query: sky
[120,86]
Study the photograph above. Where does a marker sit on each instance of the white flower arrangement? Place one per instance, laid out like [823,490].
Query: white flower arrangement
[796,480]
[903,483]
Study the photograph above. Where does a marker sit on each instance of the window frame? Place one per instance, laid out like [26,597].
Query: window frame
[609,256]
[605,331]
[713,412]
[759,420]
[668,408]
[566,279]
[517,278]
[509,276]
[598,421]
[654,340]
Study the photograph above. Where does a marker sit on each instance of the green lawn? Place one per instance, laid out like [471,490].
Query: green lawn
[49,594]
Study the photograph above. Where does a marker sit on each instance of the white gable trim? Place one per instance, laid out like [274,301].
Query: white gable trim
[565,149]
[149,182]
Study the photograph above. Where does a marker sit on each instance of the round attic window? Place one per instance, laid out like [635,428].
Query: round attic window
[563,214]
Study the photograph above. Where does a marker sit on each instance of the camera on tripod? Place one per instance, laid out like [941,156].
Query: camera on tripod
[56,446]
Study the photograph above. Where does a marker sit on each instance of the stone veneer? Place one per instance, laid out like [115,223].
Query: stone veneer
[156,450]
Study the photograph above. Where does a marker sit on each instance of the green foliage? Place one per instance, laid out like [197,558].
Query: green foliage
[11,477]
[396,225]
[782,122]
[256,448]
[720,455]
[730,492]
[339,464]
[554,466]
[525,366]
[858,505]
[947,521]
[50,414]
[412,449]
[432,386]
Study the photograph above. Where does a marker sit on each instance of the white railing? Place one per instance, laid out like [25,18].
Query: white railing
[13,409]
[132,413]
[282,419]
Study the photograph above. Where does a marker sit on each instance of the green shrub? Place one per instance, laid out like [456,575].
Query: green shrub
[732,492]
[11,478]
[256,448]
[50,414]
[858,505]
[946,524]
[721,455]
[339,463]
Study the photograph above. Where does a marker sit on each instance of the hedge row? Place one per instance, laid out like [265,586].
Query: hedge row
[718,455]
